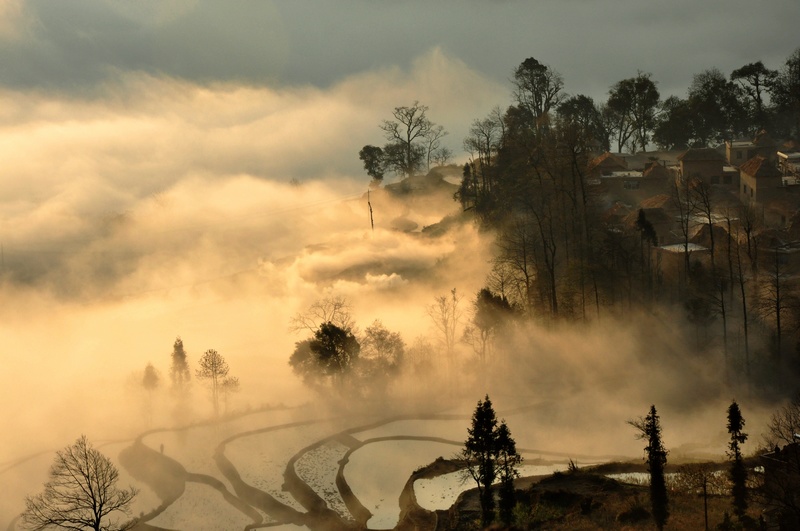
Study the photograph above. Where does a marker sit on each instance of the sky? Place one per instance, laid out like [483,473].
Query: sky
[149,148]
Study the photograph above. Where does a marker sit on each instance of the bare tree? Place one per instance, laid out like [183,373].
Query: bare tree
[684,203]
[229,386]
[446,315]
[776,296]
[213,368]
[784,424]
[409,127]
[335,310]
[701,478]
[81,493]
[433,143]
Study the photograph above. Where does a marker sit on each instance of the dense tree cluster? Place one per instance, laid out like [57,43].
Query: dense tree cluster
[339,359]
[564,253]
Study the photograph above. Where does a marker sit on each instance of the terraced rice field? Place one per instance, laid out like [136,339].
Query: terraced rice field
[286,470]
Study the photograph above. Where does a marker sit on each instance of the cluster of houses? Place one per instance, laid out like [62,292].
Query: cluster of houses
[760,173]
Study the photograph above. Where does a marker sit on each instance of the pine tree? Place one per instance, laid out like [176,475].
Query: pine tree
[656,459]
[480,455]
[179,370]
[738,471]
[507,461]
[491,453]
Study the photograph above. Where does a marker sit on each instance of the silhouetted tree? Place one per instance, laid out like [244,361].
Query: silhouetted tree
[335,310]
[507,462]
[490,453]
[480,455]
[433,144]
[445,315]
[179,370]
[674,127]
[374,163]
[755,79]
[720,113]
[381,355]
[581,112]
[702,477]
[213,368]
[784,423]
[331,354]
[738,470]
[407,133]
[631,110]
[229,386]
[150,382]
[786,96]
[537,88]
[491,313]
[81,493]
[776,295]
[649,429]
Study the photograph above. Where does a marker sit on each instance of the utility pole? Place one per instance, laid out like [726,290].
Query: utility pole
[371,221]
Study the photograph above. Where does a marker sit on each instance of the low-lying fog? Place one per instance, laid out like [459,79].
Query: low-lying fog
[162,209]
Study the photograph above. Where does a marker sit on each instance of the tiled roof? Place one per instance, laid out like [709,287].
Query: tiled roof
[607,159]
[759,166]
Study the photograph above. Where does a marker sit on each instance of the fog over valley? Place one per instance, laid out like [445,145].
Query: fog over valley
[241,185]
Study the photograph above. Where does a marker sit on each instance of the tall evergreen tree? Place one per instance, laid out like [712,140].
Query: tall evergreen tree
[738,470]
[491,453]
[649,429]
[480,455]
[507,461]
[179,370]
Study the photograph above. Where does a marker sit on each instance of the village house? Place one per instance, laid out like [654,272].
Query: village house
[740,151]
[606,164]
[708,165]
[621,183]
[760,181]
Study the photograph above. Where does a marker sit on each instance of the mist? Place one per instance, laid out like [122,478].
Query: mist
[214,213]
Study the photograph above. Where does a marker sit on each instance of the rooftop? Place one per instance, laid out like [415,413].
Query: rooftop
[759,167]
